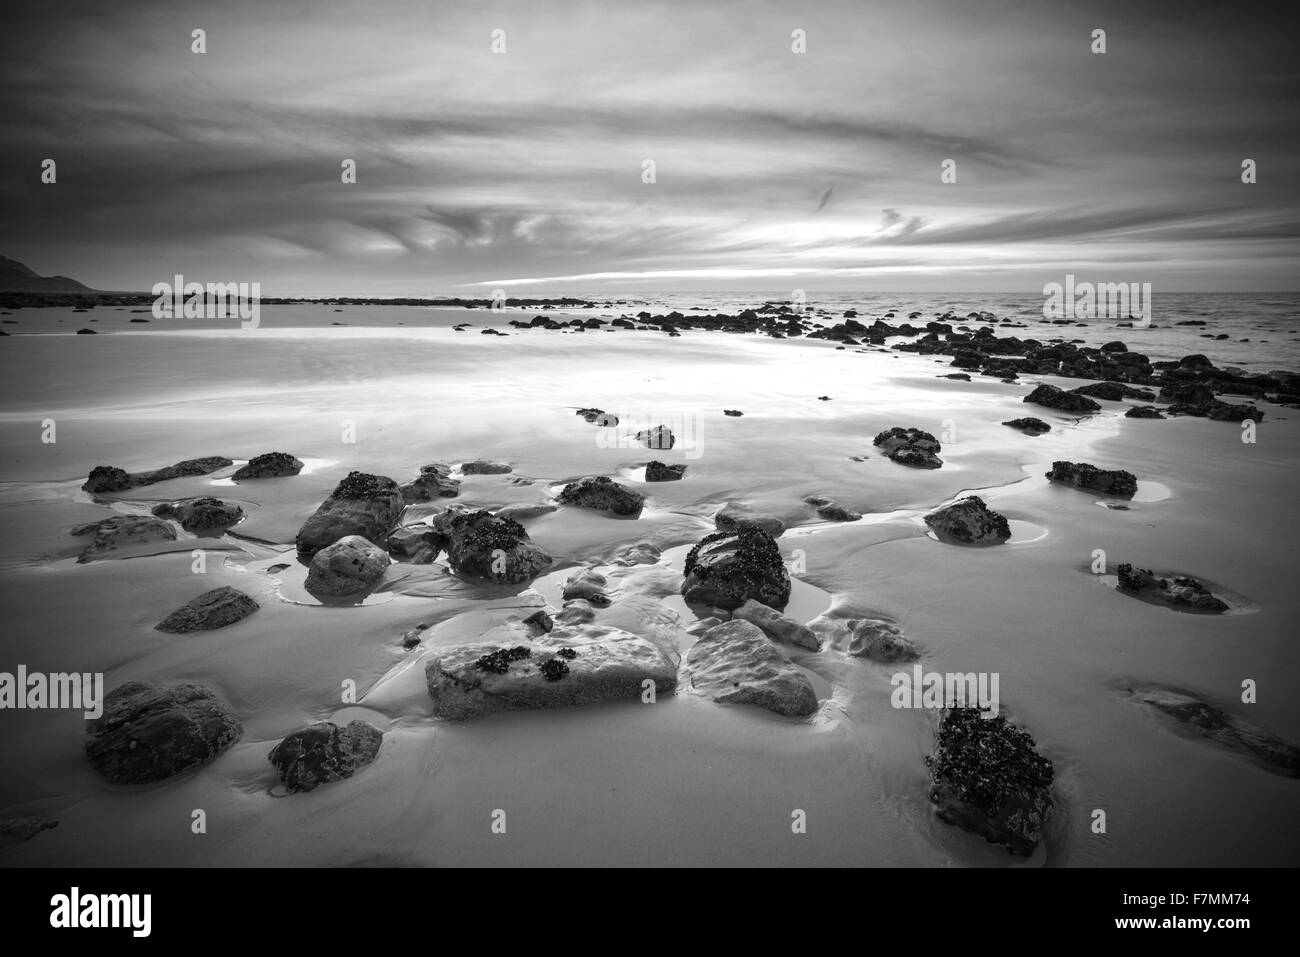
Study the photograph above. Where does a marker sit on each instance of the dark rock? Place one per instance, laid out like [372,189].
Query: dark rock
[732,412]
[483,468]
[85,332]
[599,417]
[909,447]
[434,481]
[1143,412]
[200,514]
[969,521]
[323,752]
[489,547]
[1060,400]
[1178,591]
[1114,392]
[14,830]
[986,776]
[727,568]
[362,504]
[1029,425]
[731,517]
[213,609]
[603,494]
[1081,475]
[351,566]
[268,465]
[106,478]
[149,733]
[541,621]
[658,472]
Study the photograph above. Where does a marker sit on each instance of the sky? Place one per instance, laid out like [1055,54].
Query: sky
[526,169]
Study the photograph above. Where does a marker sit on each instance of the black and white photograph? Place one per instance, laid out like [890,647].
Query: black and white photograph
[541,434]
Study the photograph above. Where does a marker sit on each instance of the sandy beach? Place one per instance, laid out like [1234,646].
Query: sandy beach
[685,780]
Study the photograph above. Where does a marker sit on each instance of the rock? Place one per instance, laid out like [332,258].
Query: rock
[732,412]
[268,465]
[660,437]
[14,830]
[1114,392]
[986,776]
[576,611]
[213,609]
[149,733]
[834,512]
[434,481]
[1198,719]
[1081,475]
[407,541]
[119,531]
[351,566]
[468,681]
[323,752]
[735,663]
[969,521]
[1029,425]
[658,472]
[603,494]
[909,447]
[880,641]
[1143,412]
[362,504]
[1114,347]
[541,621]
[727,568]
[599,417]
[483,468]
[107,478]
[960,376]
[486,546]
[642,553]
[732,517]
[200,514]
[1179,590]
[588,585]
[522,513]
[1060,400]
[84,331]
[776,625]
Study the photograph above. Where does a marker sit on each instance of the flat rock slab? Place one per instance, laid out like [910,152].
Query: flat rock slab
[735,663]
[119,531]
[148,733]
[324,752]
[776,625]
[559,670]
[213,609]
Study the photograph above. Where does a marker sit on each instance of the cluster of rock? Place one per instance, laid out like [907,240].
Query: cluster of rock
[1179,590]
[909,447]
[109,478]
[1081,475]
[200,514]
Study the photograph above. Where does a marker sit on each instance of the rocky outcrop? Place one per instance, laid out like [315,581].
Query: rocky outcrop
[776,625]
[479,467]
[433,482]
[1196,718]
[1143,412]
[323,752]
[969,521]
[735,663]
[268,465]
[108,478]
[659,472]
[213,609]
[728,568]
[731,517]
[362,504]
[986,776]
[603,494]
[1062,401]
[488,547]
[1114,392]
[119,531]
[1179,591]
[909,447]
[200,514]
[1081,475]
[1029,425]
[149,733]
[468,681]
[350,567]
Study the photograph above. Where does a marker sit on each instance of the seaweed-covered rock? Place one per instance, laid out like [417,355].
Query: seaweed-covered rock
[725,569]
[486,546]
[324,752]
[434,481]
[969,521]
[149,733]
[911,447]
[1178,591]
[1062,401]
[351,566]
[659,472]
[776,625]
[1192,716]
[107,478]
[479,467]
[1081,475]
[120,531]
[200,514]
[1029,425]
[986,776]
[213,609]
[735,663]
[268,465]
[608,664]
[362,504]
[732,517]
[603,494]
